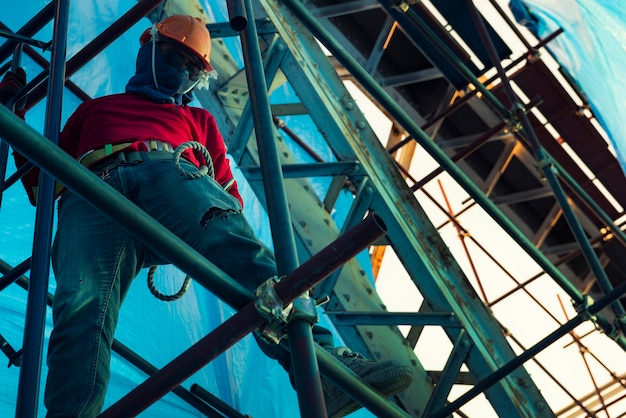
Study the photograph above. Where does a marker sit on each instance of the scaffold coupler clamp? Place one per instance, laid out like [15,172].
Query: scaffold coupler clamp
[582,309]
[271,306]
[513,124]
[304,308]
[620,325]
[546,162]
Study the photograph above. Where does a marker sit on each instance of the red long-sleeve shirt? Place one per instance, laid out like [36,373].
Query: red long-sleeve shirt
[131,118]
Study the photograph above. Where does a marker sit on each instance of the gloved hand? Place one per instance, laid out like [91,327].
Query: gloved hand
[10,85]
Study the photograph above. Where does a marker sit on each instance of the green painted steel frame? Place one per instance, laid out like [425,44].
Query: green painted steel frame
[295,55]
[414,238]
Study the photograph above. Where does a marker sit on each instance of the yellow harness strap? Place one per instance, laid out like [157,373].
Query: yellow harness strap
[100,153]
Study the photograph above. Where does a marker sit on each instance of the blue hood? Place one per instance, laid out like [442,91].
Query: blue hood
[170,79]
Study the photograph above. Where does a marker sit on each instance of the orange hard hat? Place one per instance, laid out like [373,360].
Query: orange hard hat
[188,31]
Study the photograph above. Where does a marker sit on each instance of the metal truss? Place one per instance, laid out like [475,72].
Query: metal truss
[280,48]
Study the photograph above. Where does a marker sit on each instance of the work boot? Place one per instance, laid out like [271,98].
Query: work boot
[388,377]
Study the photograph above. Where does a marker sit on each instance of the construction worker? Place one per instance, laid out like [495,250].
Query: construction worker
[129,139]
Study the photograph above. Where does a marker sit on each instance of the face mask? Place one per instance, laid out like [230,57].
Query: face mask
[187,66]
[187,85]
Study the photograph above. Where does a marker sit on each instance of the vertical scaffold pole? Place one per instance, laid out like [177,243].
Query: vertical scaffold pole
[4,146]
[549,169]
[399,114]
[304,363]
[30,372]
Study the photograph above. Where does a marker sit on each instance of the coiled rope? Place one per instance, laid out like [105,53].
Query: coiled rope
[202,171]
[190,175]
[161,296]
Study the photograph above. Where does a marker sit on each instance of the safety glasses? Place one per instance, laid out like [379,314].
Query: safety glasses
[179,58]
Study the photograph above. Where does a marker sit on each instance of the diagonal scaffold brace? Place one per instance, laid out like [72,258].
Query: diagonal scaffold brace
[248,318]
[15,357]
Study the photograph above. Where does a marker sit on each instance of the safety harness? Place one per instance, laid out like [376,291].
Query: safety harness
[102,160]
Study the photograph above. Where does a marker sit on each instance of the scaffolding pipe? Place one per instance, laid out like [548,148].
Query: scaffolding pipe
[15,357]
[13,274]
[273,182]
[31,27]
[352,385]
[21,281]
[213,400]
[24,39]
[472,93]
[38,83]
[77,178]
[94,47]
[519,286]
[547,167]
[243,130]
[415,27]
[304,364]
[248,319]
[465,152]
[119,348]
[522,287]
[25,140]
[510,24]
[186,395]
[30,372]
[4,147]
[237,16]
[397,113]
[522,358]
[583,350]
[554,379]
[592,204]
[20,172]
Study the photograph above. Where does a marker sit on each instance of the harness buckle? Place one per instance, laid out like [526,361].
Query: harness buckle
[104,174]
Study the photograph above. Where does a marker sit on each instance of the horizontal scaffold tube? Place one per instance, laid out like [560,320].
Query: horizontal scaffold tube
[25,140]
[248,319]
[397,113]
[49,157]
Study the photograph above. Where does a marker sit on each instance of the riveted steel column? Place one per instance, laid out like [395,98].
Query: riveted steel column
[395,110]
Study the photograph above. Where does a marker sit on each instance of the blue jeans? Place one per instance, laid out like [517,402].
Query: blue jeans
[95,260]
